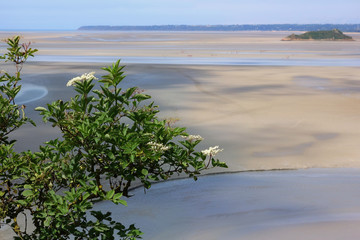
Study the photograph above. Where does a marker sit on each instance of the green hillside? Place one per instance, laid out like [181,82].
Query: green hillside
[334,35]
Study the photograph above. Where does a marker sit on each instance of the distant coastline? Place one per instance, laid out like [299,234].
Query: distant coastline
[245,27]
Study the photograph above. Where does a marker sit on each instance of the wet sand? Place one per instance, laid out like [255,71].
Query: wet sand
[265,117]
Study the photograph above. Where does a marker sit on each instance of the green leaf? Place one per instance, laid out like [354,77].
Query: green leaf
[63,209]
[110,194]
[27,193]
[117,196]
[21,202]
[117,200]
[27,186]
[40,109]
[86,196]
[217,163]
[144,172]
[122,202]
[141,97]
[111,155]
[47,221]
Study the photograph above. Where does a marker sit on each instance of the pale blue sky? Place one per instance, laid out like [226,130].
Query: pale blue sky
[71,14]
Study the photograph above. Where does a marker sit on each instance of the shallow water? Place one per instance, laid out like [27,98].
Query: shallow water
[241,205]
[30,93]
[203,60]
[281,205]
[326,84]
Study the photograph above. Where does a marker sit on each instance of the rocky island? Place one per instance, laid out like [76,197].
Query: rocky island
[333,35]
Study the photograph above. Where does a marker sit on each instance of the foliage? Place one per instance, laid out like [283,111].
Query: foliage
[12,116]
[321,35]
[111,138]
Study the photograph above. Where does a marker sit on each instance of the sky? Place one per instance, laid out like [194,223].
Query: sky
[72,14]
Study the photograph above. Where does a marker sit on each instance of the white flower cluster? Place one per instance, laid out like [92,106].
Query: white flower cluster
[192,138]
[212,151]
[157,147]
[82,78]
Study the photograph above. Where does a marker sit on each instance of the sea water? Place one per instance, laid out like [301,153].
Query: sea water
[352,62]
[235,206]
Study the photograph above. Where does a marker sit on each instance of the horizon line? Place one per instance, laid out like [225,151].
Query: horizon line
[159,25]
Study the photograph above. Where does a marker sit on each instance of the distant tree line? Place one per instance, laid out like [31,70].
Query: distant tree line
[246,27]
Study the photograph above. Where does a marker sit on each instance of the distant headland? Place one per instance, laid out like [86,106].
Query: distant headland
[246,27]
[334,35]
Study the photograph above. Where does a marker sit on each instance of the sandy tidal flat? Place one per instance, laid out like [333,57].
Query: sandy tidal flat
[264,116]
